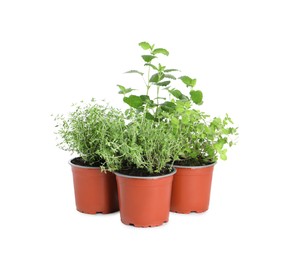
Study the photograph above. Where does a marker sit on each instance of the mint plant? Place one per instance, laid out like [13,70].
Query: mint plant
[93,132]
[158,78]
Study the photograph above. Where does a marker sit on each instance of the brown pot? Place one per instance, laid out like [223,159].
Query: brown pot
[144,201]
[95,191]
[191,189]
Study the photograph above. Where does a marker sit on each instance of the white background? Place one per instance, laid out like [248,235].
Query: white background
[54,53]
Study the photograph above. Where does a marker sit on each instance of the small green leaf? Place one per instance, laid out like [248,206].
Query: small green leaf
[146,100]
[124,90]
[169,76]
[156,77]
[160,50]
[145,45]
[175,121]
[170,70]
[135,71]
[149,116]
[133,101]
[163,83]
[223,154]
[168,106]
[176,93]
[151,65]
[193,83]
[148,58]
[196,96]
[188,81]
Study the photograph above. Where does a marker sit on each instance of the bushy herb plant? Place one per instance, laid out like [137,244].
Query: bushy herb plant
[94,132]
[149,147]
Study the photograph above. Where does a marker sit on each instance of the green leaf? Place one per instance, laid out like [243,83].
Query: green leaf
[170,70]
[169,76]
[151,65]
[124,90]
[223,155]
[146,100]
[148,58]
[176,93]
[156,77]
[133,101]
[188,81]
[168,106]
[135,71]
[160,50]
[149,116]
[196,96]
[145,45]
[193,83]
[163,83]
[175,121]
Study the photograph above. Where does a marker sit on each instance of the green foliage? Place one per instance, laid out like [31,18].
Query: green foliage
[158,80]
[204,140]
[92,131]
[199,139]
[148,144]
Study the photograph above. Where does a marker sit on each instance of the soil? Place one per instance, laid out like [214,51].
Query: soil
[191,162]
[79,161]
[139,172]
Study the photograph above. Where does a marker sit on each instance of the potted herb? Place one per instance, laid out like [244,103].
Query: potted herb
[148,149]
[144,181]
[92,131]
[205,141]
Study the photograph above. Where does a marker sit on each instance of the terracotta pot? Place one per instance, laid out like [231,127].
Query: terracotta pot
[191,189]
[95,191]
[144,201]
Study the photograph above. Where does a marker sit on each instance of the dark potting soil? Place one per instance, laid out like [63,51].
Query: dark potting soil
[79,161]
[140,172]
[191,162]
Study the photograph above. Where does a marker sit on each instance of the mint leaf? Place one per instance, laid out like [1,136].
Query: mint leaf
[145,45]
[163,83]
[196,96]
[169,76]
[124,90]
[160,50]
[148,58]
[135,71]
[188,81]
[151,65]
[133,101]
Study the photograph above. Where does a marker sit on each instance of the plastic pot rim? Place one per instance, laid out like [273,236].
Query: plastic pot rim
[195,167]
[146,177]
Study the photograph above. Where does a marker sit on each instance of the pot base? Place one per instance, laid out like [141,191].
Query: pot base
[98,212]
[142,225]
[188,212]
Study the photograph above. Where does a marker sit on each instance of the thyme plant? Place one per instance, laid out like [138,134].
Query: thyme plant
[149,146]
[94,132]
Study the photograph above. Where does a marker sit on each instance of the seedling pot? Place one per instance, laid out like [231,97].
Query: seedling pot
[95,191]
[144,201]
[191,189]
